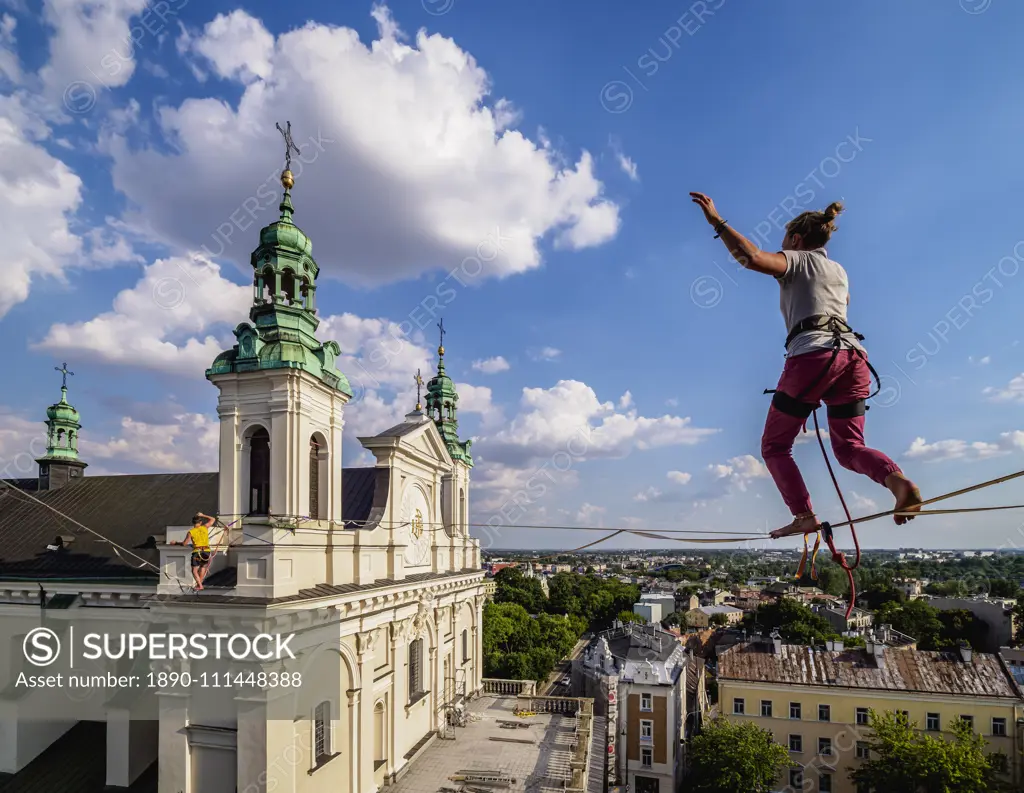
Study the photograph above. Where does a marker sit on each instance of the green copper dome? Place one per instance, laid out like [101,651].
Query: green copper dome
[283,314]
[62,427]
[285,234]
[443,407]
[62,411]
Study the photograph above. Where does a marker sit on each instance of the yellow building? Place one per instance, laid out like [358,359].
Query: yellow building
[701,617]
[816,701]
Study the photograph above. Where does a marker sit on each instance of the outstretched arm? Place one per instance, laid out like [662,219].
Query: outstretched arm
[207,519]
[743,250]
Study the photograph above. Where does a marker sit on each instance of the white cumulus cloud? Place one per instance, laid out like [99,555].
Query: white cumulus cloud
[406,164]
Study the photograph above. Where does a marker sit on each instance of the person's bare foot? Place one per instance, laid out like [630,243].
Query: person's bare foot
[802,524]
[908,497]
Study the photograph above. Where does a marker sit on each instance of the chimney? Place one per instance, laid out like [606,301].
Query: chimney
[837,646]
[776,642]
[965,652]
[878,650]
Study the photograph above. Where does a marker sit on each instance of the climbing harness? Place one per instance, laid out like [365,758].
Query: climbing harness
[838,327]
[794,406]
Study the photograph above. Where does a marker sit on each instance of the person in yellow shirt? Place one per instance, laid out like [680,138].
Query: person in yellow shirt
[199,538]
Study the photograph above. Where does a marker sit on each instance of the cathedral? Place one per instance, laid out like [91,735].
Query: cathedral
[372,572]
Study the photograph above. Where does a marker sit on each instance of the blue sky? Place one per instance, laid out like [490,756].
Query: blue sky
[556,143]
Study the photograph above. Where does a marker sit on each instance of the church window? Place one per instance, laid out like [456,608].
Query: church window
[415,668]
[379,736]
[314,478]
[322,731]
[465,645]
[259,472]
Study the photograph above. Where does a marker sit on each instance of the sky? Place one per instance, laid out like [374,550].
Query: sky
[522,170]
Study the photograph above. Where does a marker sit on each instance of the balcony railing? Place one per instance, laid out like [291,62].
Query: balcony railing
[509,688]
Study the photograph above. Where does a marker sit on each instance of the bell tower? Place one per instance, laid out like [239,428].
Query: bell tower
[443,409]
[60,464]
[281,393]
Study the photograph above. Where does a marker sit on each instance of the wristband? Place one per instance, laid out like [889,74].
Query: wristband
[719,226]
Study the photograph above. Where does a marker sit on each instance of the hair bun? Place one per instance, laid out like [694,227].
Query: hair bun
[833,210]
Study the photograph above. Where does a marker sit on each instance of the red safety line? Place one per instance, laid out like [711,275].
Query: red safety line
[837,556]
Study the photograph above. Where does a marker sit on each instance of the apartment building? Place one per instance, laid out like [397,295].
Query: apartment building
[638,677]
[858,620]
[816,701]
[701,617]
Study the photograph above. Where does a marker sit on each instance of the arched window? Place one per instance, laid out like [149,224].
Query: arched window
[465,645]
[415,668]
[259,472]
[60,437]
[380,742]
[318,472]
[322,732]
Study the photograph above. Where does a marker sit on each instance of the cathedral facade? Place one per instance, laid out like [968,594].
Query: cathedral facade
[374,566]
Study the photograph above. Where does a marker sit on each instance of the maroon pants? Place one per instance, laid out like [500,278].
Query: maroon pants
[847,380]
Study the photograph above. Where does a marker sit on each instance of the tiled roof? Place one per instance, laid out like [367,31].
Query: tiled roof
[74,763]
[128,510]
[903,669]
[693,678]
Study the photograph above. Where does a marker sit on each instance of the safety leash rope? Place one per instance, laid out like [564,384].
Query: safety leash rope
[826,529]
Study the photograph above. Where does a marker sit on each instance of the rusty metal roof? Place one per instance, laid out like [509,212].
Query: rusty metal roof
[903,670]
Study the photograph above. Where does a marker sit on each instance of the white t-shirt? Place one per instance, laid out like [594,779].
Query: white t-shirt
[813,285]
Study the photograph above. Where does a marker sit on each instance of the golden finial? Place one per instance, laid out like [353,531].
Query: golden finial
[287,177]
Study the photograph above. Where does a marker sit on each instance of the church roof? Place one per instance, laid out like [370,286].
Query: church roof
[128,510]
[405,428]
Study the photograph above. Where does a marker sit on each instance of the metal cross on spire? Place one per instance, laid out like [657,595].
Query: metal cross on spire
[289,145]
[63,369]
[419,384]
[440,325]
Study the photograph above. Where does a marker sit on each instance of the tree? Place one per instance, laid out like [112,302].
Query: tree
[903,760]
[735,758]
[914,618]
[677,619]
[513,587]
[631,616]
[1001,588]
[719,620]
[796,623]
